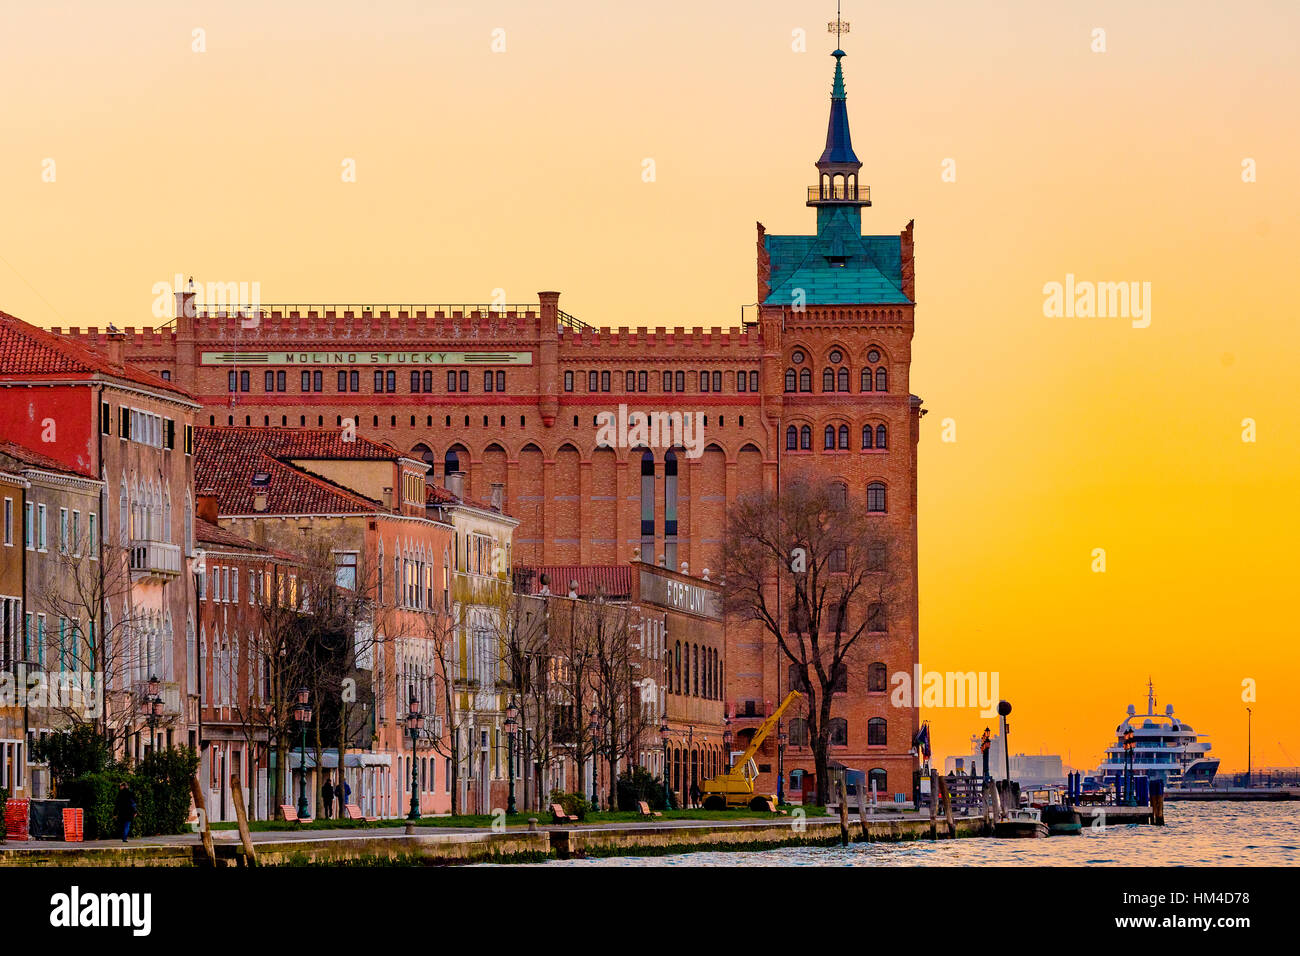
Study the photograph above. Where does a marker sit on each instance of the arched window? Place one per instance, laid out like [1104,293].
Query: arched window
[695,670]
[167,515]
[866,380]
[839,494]
[798,732]
[670,496]
[423,451]
[876,496]
[877,732]
[123,514]
[880,436]
[789,380]
[879,780]
[805,438]
[876,617]
[647,506]
[805,380]
[188,543]
[791,438]
[866,436]
[828,380]
[677,668]
[450,462]
[882,380]
[828,440]
[844,438]
[877,678]
[842,380]
[839,732]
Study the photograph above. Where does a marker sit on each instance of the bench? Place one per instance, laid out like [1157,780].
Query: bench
[557,811]
[290,813]
[646,811]
[354,813]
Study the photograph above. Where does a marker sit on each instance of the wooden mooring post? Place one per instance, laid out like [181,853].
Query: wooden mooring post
[844,813]
[241,816]
[209,850]
[934,805]
[947,806]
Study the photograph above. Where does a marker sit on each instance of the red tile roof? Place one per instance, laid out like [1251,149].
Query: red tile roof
[205,532]
[437,495]
[34,459]
[226,459]
[615,580]
[28,352]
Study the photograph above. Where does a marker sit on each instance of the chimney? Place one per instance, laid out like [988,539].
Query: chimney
[498,496]
[205,505]
[185,308]
[259,501]
[116,348]
[388,499]
[454,481]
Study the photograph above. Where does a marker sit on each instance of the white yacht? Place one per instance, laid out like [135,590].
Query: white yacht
[1166,748]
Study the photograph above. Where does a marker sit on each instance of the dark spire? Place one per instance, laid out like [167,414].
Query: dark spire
[839,144]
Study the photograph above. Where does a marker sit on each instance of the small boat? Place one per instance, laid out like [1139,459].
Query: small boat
[1062,820]
[1021,824]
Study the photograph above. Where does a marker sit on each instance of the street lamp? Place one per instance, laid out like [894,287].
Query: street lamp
[594,727]
[512,715]
[414,724]
[663,735]
[781,739]
[302,714]
[153,708]
[727,738]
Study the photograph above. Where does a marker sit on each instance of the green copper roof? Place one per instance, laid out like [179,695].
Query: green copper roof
[838,266]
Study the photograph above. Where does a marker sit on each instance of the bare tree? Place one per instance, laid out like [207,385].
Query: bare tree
[614,674]
[815,571]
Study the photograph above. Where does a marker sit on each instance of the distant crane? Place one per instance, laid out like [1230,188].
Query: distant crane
[1289,759]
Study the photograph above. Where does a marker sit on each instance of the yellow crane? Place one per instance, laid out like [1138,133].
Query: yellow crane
[735,788]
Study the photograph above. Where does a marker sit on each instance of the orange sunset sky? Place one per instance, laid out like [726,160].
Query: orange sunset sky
[522,170]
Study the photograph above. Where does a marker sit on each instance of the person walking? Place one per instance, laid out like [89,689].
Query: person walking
[344,792]
[125,809]
[695,794]
[326,798]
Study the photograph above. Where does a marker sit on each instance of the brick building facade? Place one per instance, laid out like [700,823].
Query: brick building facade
[816,380]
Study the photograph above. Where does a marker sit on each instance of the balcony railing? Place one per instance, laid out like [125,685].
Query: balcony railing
[155,558]
[840,193]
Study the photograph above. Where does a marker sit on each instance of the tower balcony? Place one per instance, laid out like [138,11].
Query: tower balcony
[839,193]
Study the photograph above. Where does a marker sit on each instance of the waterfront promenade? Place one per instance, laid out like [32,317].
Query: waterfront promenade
[451,844]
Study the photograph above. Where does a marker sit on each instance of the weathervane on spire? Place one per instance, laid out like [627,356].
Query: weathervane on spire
[838,25]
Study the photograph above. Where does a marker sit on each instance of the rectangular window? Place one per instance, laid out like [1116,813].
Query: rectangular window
[753,381]
[668,381]
[234,586]
[29,526]
[391,380]
[742,382]
[354,381]
[593,381]
[317,381]
[92,535]
[464,381]
[704,381]
[451,381]
[604,381]
[306,381]
[630,383]
[679,378]
[642,381]
[345,569]
[243,381]
[40,527]
[568,381]
[270,380]
[379,380]
[232,381]
[488,380]
[124,419]
[343,381]
[501,381]
[717,381]
[105,418]
[415,381]
[189,439]
[76,533]
[9,522]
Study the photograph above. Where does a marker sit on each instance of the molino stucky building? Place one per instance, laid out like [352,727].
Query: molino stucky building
[508,395]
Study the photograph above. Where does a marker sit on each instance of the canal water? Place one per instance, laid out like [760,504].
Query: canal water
[1194,834]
